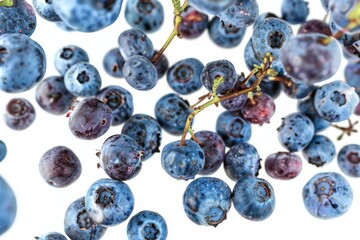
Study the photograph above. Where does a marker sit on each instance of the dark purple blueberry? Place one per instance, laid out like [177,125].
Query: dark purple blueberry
[315,26]
[349,160]
[135,42]
[120,101]
[171,111]
[120,157]
[233,128]
[283,165]
[3,150]
[146,15]
[146,131]
[19,114]
[90,119]
[320,151]
[51,236]
[253,198]
[52,95]
[235,103]
[182,162]
[193,24]
[109,202]
[294,11]
[357,109]
[214,150]
[147,225]
[259,110]
[60,167]
[8,206]
[271,88]
[78,224]
[207,200]
[327,195]
[113,63]
[184,76]
[17,16]
[242,160]
[67,56]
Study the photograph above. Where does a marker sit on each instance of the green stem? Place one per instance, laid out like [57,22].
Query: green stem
[6,3]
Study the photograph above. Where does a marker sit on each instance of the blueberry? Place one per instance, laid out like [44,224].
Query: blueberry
[88,16]
[315,26]
[297,89]
[113,63]
[120,157]
[8,206]
[193,24]
[3,150]
[335,101]
[147,225]
[184,76]
[67,56]
[253,198]
[45,9]
[295,132]
[233,128]
[242,160]
[263,16]
[259,110]
[60,167]
[109,202]
[182,162]
[51,236]
[352,75]
[327,195]
[241,14]
[210,6]
[294,11]
[214,149]
[207,201]
[120,101]
[19,114]
[161,65]
[147,15]
[22,63]
[320,151]
[90,119]
[349,160]
[78,225]
[283,165]
[146,131]
[135,42]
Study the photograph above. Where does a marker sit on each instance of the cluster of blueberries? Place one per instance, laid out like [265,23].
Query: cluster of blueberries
[300,61]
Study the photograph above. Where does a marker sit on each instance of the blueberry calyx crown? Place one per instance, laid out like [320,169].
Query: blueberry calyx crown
[104,197]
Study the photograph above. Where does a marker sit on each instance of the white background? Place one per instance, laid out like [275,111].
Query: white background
[41,208]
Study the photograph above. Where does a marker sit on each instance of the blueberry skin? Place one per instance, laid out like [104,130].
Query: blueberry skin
[135,42]
[145,15]
[19,114]
[296,132]
[283,165]
[109,202]
[182,162]
[90,119]
[23,63]
[68,56]
[51,236]
[214,149]
[241,14]
[147,225]
[161,65]
[120,157]
[297,89]
[8,206]
[146,131]
[253,198]
[219,68]
[314,26]
[20,18]
[270,35]
[193,24]
[335,101]
[184,76]
[320,151]
[78,225]
[242,160]
[140,73]
[294,11]
[348,160]
[207,200]
[88,16]
[171,112]
[263,16]
[352,75]
[249,55]
[52,95]
[3,150]
[233,128]
[113,63]
[306,107]
[226,37]
[45,9]
[327,195]
[60,167]
[210,6]
[82,80]
[119,100]
[260,112]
